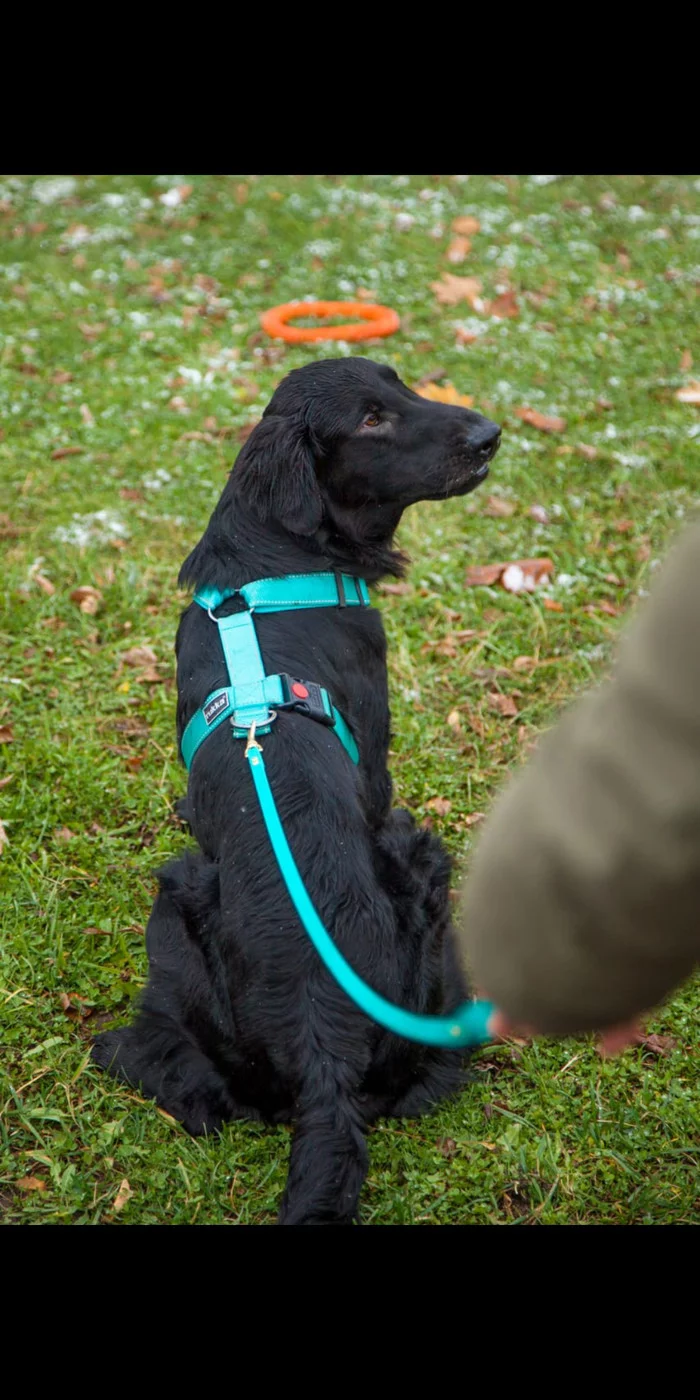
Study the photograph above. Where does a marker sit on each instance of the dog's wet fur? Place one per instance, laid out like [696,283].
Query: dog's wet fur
[240,1019]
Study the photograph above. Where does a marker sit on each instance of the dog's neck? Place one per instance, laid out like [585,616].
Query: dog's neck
[237,547]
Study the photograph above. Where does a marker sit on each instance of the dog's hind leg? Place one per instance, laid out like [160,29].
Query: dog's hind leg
[165,1052]
[154,1057]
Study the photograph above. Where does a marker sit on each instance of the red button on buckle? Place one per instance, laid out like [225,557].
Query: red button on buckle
[300,691]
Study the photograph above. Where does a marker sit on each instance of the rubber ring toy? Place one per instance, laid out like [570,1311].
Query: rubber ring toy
[376,321]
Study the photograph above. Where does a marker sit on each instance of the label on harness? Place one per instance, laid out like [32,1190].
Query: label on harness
[216,705]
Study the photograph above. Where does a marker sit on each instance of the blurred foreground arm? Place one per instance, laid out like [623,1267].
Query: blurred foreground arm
[582,904]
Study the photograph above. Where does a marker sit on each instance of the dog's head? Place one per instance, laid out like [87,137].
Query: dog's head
[345,444]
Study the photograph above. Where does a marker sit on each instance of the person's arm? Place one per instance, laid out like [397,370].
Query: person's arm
[582,903]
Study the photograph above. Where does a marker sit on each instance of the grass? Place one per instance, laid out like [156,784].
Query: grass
[130,332]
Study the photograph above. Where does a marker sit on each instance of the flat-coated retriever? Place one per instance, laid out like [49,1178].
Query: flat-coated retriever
[240,1019]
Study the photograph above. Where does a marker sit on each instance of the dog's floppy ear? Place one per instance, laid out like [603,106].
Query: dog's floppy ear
[275,475]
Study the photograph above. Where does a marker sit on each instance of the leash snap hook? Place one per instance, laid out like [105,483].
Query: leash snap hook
[251,742]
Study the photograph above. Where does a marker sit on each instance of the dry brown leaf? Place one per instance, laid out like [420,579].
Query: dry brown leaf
[150,676]
[540,420]
[441,805]
[624,526]
[552,605]
[138,656]
[466,337]
[90,332]
[498,508]
[129,493]
[466,225]
[453,720]
[603,605]
[88,598]
[86,416]
[6,734]
[31,1183]
[447,1146]
[474,818]
[123,1195]
[658,1044]
[505,704]
[64,833]
[45,584]
[524,575]
[484,574]
[539,514]
[450,290]
[690,393]
[686,362]
[585,450]
[399,590]
[445,393]
[65,452]
[504,306]
[7,779]
[524,663]
[458,249]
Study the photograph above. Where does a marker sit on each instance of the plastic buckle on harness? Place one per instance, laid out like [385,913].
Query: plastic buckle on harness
[307,698]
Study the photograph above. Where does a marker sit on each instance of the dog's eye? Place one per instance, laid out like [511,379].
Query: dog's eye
[372,420]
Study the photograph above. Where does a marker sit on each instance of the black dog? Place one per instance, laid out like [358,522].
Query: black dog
[240,1019]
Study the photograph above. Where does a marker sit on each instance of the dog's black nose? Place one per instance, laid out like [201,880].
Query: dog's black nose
[484,441]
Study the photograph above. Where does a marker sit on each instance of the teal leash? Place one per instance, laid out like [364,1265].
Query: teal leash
[464,1027]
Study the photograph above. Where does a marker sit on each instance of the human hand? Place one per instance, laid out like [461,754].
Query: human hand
[611,1042]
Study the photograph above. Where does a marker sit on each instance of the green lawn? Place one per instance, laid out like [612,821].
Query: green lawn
[131,363]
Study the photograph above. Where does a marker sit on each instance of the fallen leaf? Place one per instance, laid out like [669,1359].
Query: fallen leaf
[138,656]
[539,514]
[398,589]
[441,805]
[644,550]
[612,578]
[505,704]
[65,452]
[149,676]
[686,362]
[92,929]
[658,1044]
[466,225]
[445,393]
[128,493]
[86,416]
[88,598]
[466,337]
[458,249]
[504,306]
[590,453]
[90,332]
[474,818]
[540,420]
[524,575]
[498,508]
[45,584]
[65,1001]
[27,368]
[447,1146]
[31,1183]
[7,779]
[431,377]
[690,393]
[64,833]
[450,290]
[552,605]
[476,724]
[6,734]
[624,526]
[483,574]
[123,1195]
[453,720]
[604,606]
[524,663]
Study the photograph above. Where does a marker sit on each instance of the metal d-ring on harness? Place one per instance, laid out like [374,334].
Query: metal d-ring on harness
[250,702]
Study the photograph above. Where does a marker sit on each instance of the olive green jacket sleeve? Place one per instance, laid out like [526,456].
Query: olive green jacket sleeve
[582,903]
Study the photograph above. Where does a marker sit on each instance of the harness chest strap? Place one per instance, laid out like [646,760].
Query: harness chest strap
[252,696]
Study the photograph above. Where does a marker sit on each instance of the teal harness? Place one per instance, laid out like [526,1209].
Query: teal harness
[250,702]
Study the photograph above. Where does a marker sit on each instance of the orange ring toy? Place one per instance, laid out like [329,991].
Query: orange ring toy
[376,320]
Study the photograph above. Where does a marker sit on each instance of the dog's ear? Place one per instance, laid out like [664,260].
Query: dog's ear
[275,475]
